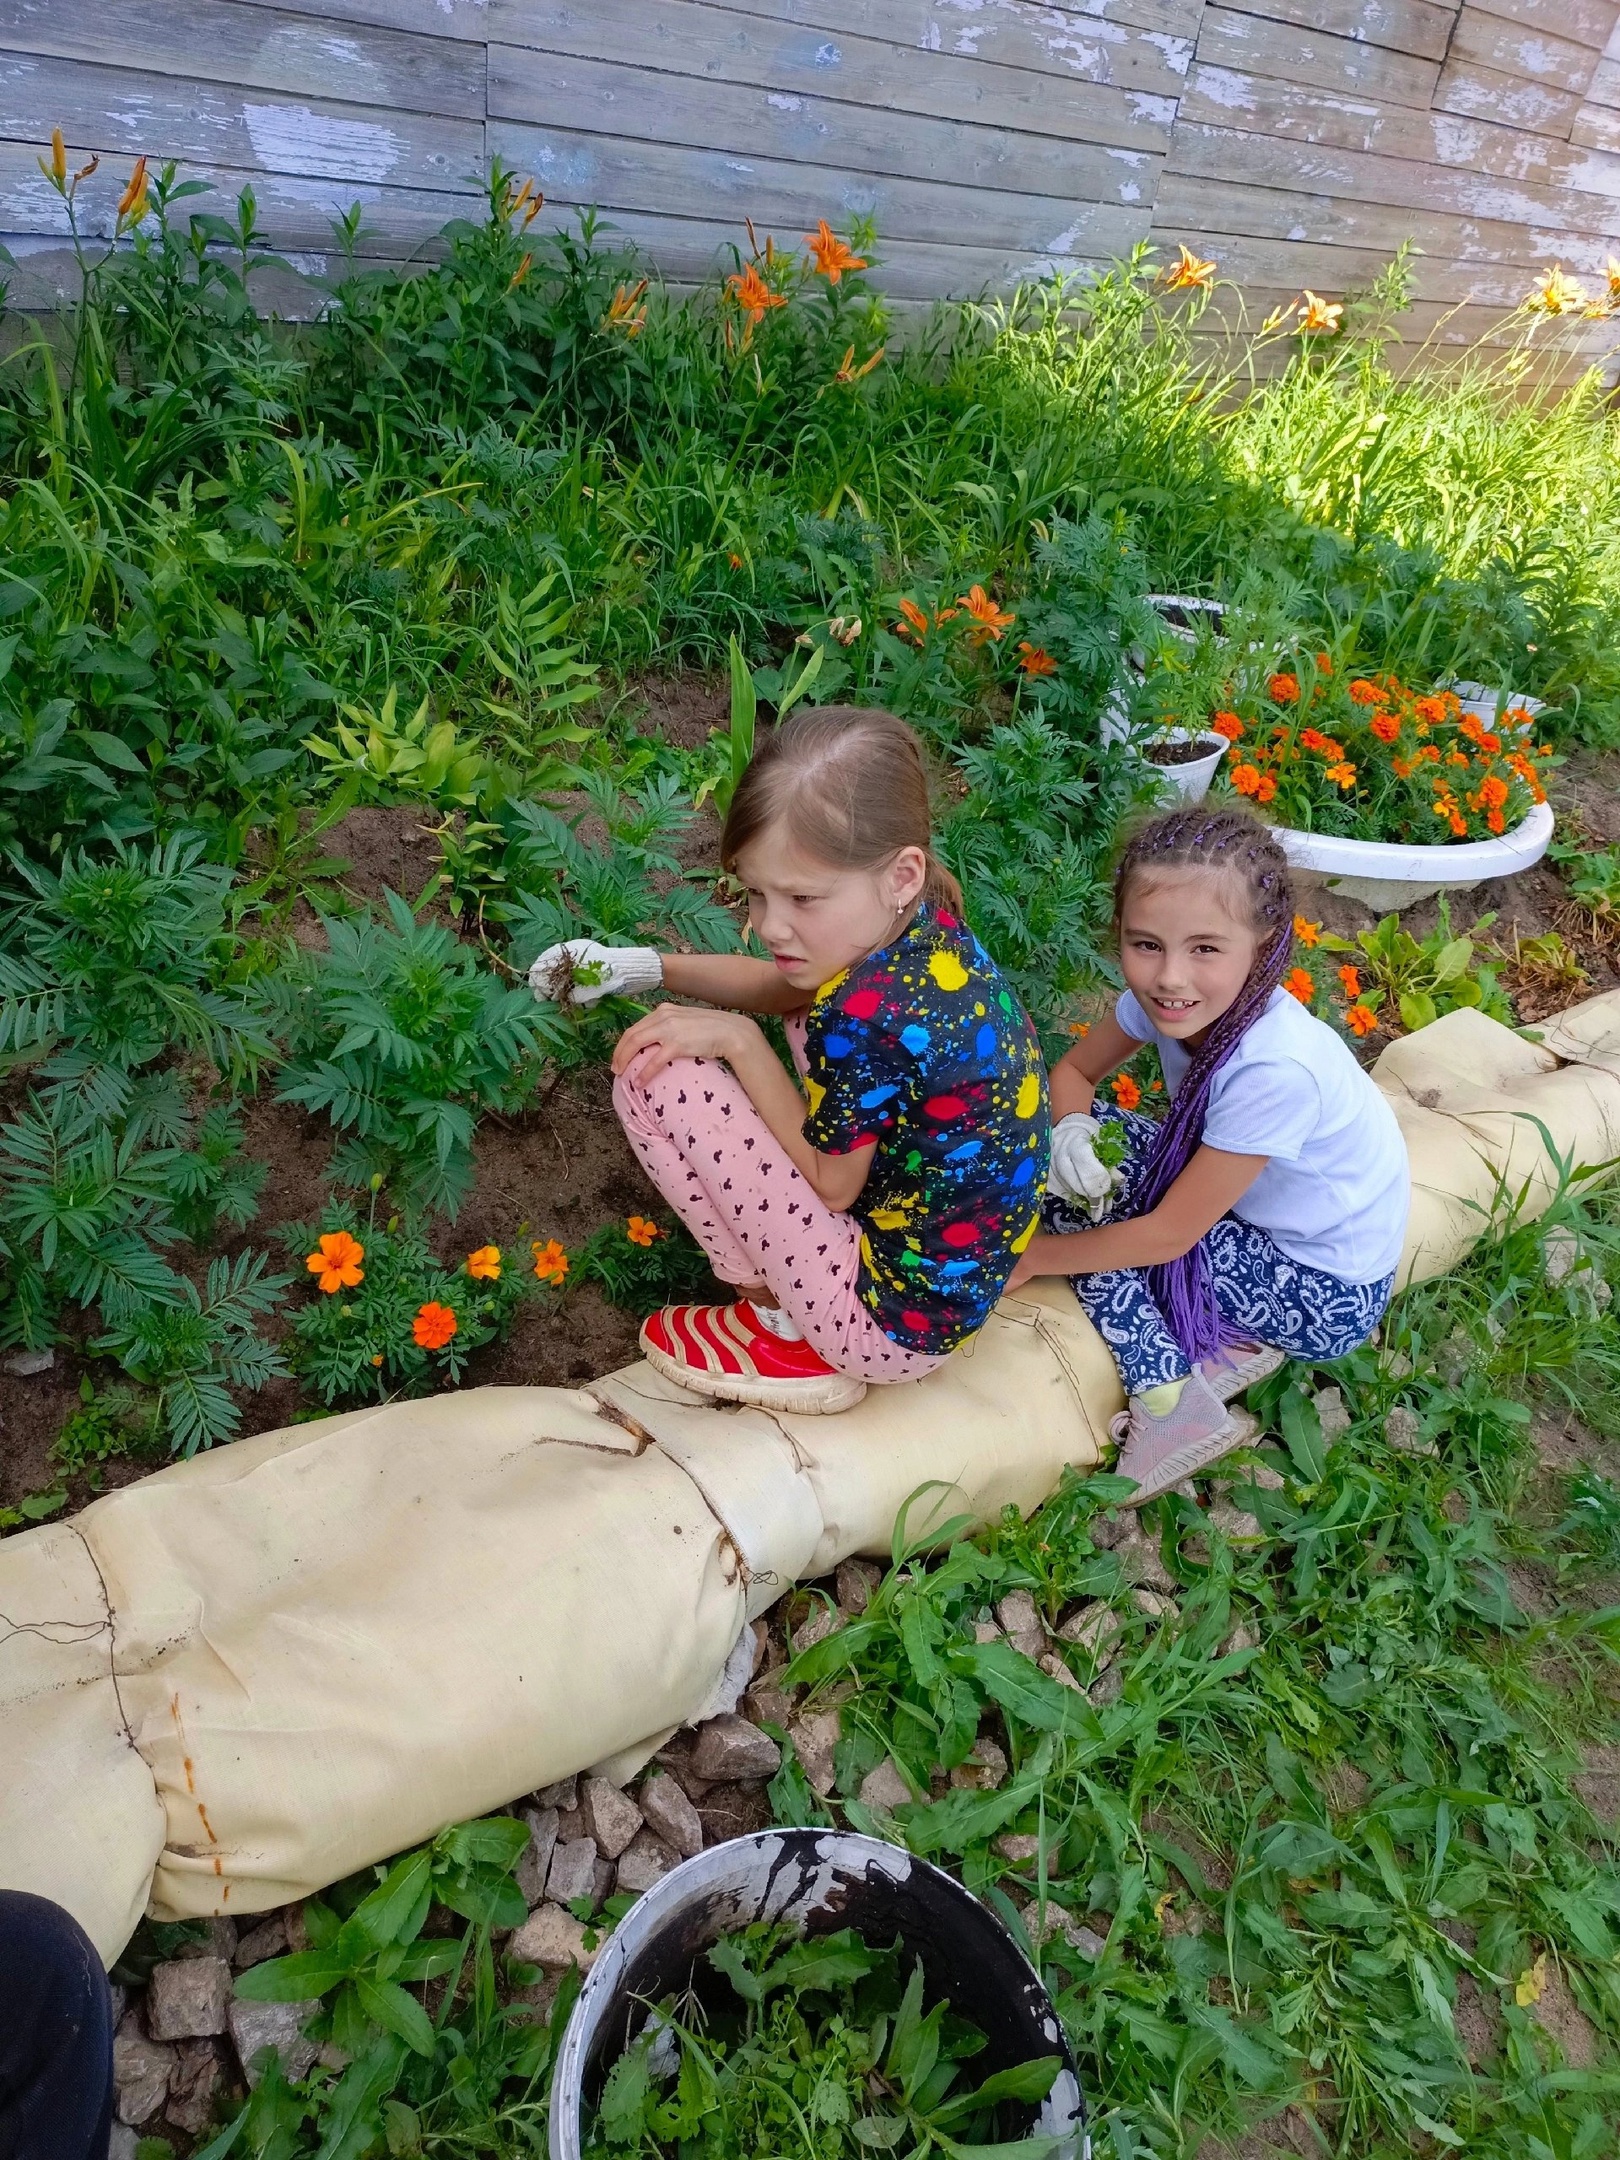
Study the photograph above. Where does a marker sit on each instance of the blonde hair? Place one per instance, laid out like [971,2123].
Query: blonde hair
[850,784]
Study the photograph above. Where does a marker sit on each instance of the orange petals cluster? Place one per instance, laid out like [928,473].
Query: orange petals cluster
[832,257]
[914,623]
[550,1262]
[752,295]
[1125,1091]
[640,1231]
[1308,933]
[433,1326]
[990,620]
[1283,689]
[1036,660]
[484,1265]
[1300,985]
[1361,1019]
[335,1262]
[1227,724]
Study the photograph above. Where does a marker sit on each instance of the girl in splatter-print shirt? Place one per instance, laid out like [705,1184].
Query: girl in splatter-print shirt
[871,1221]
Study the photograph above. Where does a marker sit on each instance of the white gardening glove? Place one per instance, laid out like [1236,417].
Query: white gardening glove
[1076,1174]
[609,971]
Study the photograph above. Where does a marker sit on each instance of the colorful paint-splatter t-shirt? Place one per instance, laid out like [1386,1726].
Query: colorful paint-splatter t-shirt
[923,1049]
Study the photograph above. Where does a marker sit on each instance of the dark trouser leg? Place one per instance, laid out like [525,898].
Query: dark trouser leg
[56,2086]
[1284,1303]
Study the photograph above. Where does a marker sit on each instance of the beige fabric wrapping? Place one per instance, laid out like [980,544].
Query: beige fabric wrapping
[248,1675]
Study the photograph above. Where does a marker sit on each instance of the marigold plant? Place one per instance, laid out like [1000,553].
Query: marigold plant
[1373,759]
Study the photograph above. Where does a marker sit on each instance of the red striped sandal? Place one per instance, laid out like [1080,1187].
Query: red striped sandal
[726,1353]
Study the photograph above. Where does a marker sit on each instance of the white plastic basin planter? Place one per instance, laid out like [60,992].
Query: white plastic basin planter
[819,1881]
[1389,874]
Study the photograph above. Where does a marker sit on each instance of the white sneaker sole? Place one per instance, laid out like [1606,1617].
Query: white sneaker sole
[810,1397]
[1231,1380]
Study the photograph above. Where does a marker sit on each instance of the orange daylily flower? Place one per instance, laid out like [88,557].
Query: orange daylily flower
[752,294]
[913,622]
[1555,294]
[132,203]
[1307,932]
[625,311]
[56,170]
[1300,985]
[550,1261]
[1125,1091]
[336,1262]
[833,257]
[640,1231]
[1037,660]
[991,620]
[520,273]
[484,1265]
[433,1326]
[1187,272]
[1361,1019]
[1317,314]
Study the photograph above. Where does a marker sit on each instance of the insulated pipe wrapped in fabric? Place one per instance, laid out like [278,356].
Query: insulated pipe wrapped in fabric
[248,1675]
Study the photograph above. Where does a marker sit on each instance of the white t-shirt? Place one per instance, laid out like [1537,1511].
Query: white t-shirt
[1336,1187]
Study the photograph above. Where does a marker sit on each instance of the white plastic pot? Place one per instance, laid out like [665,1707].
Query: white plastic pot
[1389,874]
[1188,782]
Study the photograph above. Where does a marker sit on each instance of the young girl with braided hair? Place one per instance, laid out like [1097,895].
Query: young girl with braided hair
[1264,1215]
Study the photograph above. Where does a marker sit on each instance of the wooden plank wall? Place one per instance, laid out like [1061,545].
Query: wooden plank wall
[1296,141]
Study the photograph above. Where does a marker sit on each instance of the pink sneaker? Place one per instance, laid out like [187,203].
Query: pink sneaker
[1159,1452]
[726,1353]
[1232,1371]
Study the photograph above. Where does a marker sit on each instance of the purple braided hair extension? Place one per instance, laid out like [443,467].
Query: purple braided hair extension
[1202,837]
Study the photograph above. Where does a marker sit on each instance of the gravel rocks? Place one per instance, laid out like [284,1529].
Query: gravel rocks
[729,1747]
[611,1816]
[821,1621]
[1154,1605]
[854,1583]
[562,1796]
[553,1939]
[277,2026]
[1330,1408]
[1094,1628]
[267,1940]
[1022,1623]
[572,1873]
[198,2075]
[143,2070]
[534,1864]
[188,1998]
[667,1811]
[643,1861]
[885,1788]
[1056,1668]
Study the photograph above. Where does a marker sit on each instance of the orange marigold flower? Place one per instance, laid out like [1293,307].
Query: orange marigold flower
[1459,824]
[1490,743]
[1079,1027]
[1283,689]
[1324,664]
[990,619]
[1351,979]
[1404,767]
[433,1326]
[1125,1091]
[1496,821]
[752,294]
[1036,660]
[913,622]
[1187,271]
[1361,1019]
[640,1231]
[1246,779]
[1343,774]
[484,1265]
[1300,985]
[833,258]
[1430,709]
[550,1261]
[336,1262]
[1456,757]
[1267,790]
[1493,791]
[1363,692]
[1227,724]
[1385,726]
[1307,932]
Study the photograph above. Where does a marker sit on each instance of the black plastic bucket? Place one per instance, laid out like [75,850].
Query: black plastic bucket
[819,1881]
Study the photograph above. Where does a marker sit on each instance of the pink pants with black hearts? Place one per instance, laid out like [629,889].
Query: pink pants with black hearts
[730,1180]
